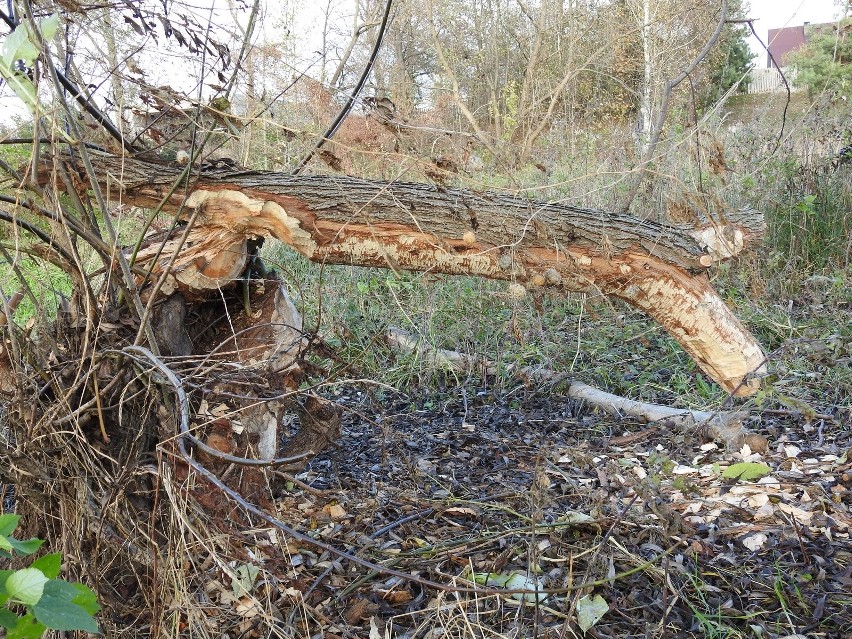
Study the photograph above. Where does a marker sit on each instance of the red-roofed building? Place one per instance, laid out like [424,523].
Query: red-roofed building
[788,39]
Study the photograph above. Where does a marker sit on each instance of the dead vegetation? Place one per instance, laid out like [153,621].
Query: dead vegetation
[216,466]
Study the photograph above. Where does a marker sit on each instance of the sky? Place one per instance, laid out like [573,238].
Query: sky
[773,14]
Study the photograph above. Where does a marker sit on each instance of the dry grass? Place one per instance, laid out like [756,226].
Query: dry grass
[166,552]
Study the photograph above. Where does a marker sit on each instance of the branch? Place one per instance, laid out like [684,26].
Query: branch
[90,108]
[723,426]
[357,90]
[664,111]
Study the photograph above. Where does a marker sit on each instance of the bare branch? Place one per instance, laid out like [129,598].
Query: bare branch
[640,170]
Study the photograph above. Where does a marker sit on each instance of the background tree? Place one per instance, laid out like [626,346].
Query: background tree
[730,61]
[824,64]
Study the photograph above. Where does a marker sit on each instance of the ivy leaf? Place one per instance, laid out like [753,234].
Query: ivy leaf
[26,585]
[66,606]
[590,610]
[746,471]
[49,565]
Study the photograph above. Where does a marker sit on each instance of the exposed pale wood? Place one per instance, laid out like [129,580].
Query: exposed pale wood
[656,268]
[269,344]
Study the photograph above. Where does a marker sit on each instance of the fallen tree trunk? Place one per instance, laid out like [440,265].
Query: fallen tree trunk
[656,268]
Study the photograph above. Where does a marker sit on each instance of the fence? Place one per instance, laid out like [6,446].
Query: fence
[770,81]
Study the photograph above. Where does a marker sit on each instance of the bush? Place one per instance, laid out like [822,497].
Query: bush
[46,602]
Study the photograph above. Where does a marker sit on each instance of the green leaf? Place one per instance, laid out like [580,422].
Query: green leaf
[26,628]
[590,610]
[27,547]
[242,583]
[746,471]
[22,86]
[86,599]
[5,544]
[18,46]
[49,565]
[66,606]
[7,618]
[4,575]
[8,523]
[513,581]
[48,26]
[26,585]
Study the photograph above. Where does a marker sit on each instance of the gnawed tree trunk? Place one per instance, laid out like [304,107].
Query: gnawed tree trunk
[658,269]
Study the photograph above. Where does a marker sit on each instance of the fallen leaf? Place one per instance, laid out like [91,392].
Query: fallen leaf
[746,471]
[335,511]
[374,629]
[513,581]
[590,610]
[575,517]
[358,611]
[802,516]
[396,596]
[755,542]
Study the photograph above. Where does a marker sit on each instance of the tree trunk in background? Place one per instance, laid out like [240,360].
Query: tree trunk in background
[645,99]
[403,226]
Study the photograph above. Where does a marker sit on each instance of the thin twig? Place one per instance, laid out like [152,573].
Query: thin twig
[381,531]
[353,96]
[90,108]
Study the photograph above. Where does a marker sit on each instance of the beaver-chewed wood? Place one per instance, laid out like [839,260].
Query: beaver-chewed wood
[660,269]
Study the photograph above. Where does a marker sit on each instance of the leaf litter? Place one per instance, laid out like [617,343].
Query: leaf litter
[660,536]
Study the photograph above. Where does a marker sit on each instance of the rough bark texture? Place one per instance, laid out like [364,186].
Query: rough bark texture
[656,268]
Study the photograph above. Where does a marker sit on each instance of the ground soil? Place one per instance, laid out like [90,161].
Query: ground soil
[446,484]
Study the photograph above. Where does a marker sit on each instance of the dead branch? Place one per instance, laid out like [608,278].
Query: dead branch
[726,427]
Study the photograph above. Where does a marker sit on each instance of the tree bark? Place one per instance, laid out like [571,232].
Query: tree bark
[658,269]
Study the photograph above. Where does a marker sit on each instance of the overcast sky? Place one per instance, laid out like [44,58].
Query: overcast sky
[773,14]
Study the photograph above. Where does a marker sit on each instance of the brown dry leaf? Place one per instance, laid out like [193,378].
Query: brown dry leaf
[802,516]
[335,511]
[360,610]
[461,512]
[247,608]
[395,596]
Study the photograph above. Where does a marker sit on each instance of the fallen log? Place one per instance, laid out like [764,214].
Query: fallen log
[656,268]
[723,426]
